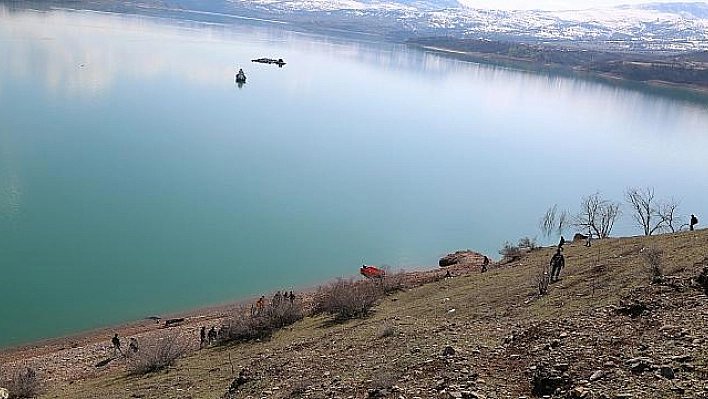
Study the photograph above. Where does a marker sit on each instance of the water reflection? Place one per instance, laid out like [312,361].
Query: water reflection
[10,190]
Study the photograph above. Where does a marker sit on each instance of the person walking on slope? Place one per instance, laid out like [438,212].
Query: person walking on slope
[116,345]
[485,264]
[694,221]
[557,263]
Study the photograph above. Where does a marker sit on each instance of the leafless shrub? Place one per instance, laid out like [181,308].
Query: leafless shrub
[243,328]
[22,382]
[653,257]
[347,299]
[282,314]
[276,315]
[392,282]
[511,252]
[597,215]
[157,354]
[528,244]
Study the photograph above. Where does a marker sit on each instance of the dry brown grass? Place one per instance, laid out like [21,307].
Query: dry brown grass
[22,382]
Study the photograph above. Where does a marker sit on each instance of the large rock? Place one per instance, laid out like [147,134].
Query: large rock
[579,237]
[462,258]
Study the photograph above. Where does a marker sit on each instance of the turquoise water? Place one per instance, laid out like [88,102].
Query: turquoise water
[136,178]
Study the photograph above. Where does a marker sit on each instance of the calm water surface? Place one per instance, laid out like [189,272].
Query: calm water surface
[136,178]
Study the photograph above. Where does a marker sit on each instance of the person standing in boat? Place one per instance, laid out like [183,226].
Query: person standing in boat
[240,76]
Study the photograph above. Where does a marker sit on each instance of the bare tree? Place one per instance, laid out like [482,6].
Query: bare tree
[597,215]
[645,211]
[667,213]
[649,214]
[553,221]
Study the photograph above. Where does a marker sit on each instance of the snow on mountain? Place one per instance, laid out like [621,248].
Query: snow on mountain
[682,26]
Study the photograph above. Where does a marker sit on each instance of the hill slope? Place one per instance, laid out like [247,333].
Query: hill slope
[603,331]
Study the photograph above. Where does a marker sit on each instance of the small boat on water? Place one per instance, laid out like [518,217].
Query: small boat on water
[240,76]
[372,272]
[279,62]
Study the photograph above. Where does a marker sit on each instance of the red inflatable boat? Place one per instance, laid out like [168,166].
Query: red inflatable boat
[372,272]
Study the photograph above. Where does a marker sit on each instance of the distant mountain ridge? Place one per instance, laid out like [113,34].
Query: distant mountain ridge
[650,26]
[645,27]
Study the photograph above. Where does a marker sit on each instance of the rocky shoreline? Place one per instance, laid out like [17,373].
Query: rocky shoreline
[76,356]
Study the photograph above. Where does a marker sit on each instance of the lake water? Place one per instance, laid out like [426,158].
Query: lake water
[136,178]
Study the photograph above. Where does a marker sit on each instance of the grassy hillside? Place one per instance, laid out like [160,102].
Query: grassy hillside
[603,331]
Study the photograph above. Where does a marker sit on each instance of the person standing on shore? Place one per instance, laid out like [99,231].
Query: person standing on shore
[202,337]
[260,303]
[116,345]
[211,335]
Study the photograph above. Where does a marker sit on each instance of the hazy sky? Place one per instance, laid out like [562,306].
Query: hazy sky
[555,4]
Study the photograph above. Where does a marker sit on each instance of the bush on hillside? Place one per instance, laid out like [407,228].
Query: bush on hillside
[22,383]
[347,299]
[157,354]
[392,283]
[511,252]
[243,328]
[527,244]
[276,315]
[653,257]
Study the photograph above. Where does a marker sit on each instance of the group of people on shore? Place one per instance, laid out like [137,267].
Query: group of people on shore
[211,336]
[207,338]
[132,346]
[278,299]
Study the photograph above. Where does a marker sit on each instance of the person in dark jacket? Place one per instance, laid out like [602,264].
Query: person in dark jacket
[116,344]
[557,263]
